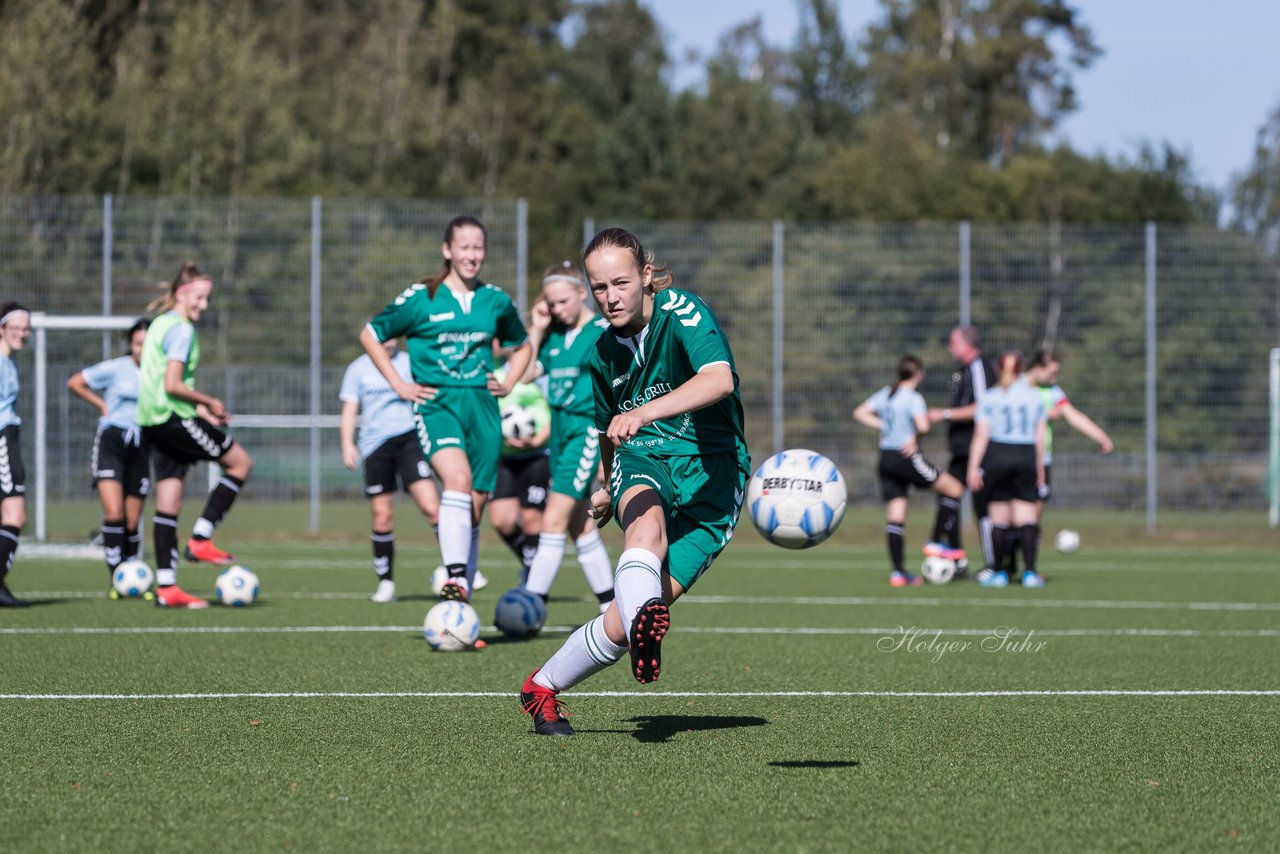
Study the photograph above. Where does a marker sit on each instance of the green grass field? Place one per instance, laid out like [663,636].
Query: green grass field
[1136,706]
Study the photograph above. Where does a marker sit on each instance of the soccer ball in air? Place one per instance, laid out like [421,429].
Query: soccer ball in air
[938,570]
[451,627]
[520,614]
[797,498]
[519,422]
[236,586]
[132,579]
[1067,541]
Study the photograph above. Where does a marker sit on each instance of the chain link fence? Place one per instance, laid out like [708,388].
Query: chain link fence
[817,314]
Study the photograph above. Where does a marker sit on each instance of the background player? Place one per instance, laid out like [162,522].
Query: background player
[388,446]
[666,400]
[121,463]
[524,475]
[15,328]
[564,331]
[900,414]
[1007,460]
[449,322]
[182,426]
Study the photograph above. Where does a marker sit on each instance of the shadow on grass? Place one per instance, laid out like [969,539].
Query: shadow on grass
[816,763]
[659,729]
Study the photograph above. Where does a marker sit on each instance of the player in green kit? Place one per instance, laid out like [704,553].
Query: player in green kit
[564,332]
[449,322]
[182,427]
[667,404]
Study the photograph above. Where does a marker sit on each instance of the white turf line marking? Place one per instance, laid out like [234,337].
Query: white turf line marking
[507,695]
[695,599]
[895,632]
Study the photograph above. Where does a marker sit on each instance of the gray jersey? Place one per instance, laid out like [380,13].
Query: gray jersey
[897,412]
[8,392]
[117,381]
[383,413]
[1012,413]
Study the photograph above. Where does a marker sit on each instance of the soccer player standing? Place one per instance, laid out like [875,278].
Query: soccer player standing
[388,446]
[564,332]
[449,322]
[15,328]
[182,426]
[667,404]
[121,463]
[1006,460]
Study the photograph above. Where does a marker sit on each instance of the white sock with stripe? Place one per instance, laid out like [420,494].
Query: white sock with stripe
[587,651]
[546,562]
[473,557]
[455,527]
[638,579]
[594,559]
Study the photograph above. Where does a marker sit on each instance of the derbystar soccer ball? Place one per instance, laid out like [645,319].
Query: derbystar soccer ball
[1067,541]
[519,422]
[520,614]
[797,498]
[938,570]
[132,579]
[236,586]
[451,627]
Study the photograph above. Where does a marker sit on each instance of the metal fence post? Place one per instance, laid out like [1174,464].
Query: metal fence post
[522,254]
[108,249]
[1152,483]
[588,230]
[315,365]
[966,283]
[779,249]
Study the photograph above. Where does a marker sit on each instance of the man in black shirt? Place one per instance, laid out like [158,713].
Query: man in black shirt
[968,384]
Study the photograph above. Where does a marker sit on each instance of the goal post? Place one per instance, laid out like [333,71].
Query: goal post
[41,323]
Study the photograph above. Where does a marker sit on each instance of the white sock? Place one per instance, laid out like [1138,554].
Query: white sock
[638,579]
[166,577]
[473,557]
[586,652]
[546,562]
[594,558]
[203,528]
[455,527]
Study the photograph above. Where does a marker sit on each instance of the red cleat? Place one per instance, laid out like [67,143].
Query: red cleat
[648,628]
[174,596]
[550,717]
[207,552]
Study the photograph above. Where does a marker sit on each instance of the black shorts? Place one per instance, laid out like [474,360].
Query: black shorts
[400,456]
[179,442]
[1009,473]
[122,455]
[959,469]
[526,478]
[13,474]
[899,473]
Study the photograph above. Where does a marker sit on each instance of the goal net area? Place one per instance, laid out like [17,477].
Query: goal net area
[296,452]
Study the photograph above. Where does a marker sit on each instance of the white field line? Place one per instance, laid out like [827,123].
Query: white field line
[839,601]
[894,632]
[508,695]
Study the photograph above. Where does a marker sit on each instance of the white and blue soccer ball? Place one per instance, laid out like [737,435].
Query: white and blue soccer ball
[236,586]
[1067,541]
[938,570]
[519,422]
[797,498]
[451,627]
[520,614]
[132,579]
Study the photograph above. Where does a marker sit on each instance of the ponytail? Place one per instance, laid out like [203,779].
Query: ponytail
[189,272]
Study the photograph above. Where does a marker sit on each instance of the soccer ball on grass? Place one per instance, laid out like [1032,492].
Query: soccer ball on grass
[451,627]
[938,570]
[797,498]
[520,613]
[236,586]
[1067,541]
[132,579]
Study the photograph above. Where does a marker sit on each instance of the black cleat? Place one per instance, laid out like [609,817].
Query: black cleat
[550,717]
[8,600]
[645,640]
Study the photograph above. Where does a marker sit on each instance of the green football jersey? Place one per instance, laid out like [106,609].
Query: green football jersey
[682,337]
[563,358]
[450,343]
[155,405]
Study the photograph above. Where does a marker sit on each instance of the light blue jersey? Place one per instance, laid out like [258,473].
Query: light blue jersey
[897,412]
[117,381]
[8,392]
[1012,413]
[383,413]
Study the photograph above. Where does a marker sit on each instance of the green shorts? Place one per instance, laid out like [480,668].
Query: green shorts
[701,497]
[463,417]
[575,453]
